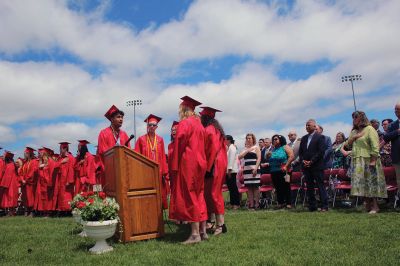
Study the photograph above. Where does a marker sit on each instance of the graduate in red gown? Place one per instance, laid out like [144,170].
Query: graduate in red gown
[64,187]
[189,164]
[44,185]
[2,164]
[216,167]
[152,146]
[28,173]
[110,137]
[174,128]
[86,168]
[9,185]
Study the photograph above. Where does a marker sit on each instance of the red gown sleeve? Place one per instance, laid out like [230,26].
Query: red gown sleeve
[163,158]
[5,177]
[90,168]
[211,146]
[179,144]
[71,169]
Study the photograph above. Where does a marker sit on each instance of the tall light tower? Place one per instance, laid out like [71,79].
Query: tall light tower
[134,103]
[352,78]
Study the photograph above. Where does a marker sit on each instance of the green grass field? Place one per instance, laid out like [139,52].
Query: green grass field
[296,237]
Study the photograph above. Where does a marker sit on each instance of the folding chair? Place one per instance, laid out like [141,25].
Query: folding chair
[343,184]
[295,184]
[391,183]
[266,186]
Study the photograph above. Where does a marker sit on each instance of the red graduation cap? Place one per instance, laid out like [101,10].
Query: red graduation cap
[64,144]
[152,118]
[41,149]
[29,150]
[8,154]
[209,111]
[111,112]
[48,150]
[175,123]
[83,142]
[190,102]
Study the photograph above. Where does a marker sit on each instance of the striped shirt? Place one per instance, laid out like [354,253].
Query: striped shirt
[250,161]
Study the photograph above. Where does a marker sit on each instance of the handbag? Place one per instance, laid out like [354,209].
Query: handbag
[287,178]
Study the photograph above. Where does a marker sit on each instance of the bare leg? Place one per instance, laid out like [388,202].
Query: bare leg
[203,230]
[256,197]
[374,205]
[250,197]
[195,234]
[221,228]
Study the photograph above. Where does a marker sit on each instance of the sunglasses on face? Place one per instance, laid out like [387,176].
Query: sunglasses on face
[152,125]
[275,139]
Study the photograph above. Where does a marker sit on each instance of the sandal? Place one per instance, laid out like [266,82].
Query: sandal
[221,229]
[210,225]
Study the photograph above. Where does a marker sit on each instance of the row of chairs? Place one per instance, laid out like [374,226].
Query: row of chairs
[336,180]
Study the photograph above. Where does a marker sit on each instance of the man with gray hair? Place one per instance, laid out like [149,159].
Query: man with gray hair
[294,143]
[393,135]
[311,156]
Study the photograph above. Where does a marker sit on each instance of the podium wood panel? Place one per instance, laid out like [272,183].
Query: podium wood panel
[134,181]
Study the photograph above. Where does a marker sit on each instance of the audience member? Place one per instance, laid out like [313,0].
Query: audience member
[294,143]
[328,148]
[280,160]
[251,170]
[367,178]
[393,135]
[234,196]
[385,147]
[338,158]
[311,153]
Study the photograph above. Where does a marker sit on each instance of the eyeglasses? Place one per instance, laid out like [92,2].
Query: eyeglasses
[152,125]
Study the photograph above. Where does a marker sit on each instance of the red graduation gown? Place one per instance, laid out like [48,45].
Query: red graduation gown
[170,157]
[106,140]
[2,164]
[86,174]
[143,147]
[216,155]
[44,187]
[28,175]
[9,184]
[64,188]
[187,197]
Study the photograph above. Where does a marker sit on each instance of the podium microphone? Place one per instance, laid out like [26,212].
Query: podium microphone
[130,138]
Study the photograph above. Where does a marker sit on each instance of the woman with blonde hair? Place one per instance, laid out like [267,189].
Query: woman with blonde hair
[189,168]
[43,197]
[251,156]
[367,177]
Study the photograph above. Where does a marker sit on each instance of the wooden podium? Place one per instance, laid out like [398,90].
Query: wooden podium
[134,182]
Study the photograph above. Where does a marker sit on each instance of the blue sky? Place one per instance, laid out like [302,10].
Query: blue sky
[269,65]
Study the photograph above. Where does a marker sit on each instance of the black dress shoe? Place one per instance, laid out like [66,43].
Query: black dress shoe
[312,209]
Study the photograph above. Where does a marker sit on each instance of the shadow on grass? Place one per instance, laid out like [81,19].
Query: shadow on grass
[181,233]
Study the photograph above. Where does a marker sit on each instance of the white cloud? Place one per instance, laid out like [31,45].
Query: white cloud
[359,37]
[7,134]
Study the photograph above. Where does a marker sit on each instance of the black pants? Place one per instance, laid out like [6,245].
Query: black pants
[233,189]
[282,188]
[314,178]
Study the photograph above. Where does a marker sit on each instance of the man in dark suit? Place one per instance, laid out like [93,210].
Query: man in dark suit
[311,156]
[328,148]
[393,135]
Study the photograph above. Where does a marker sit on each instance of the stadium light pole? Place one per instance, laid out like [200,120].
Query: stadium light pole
[352,78]
[134,103]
